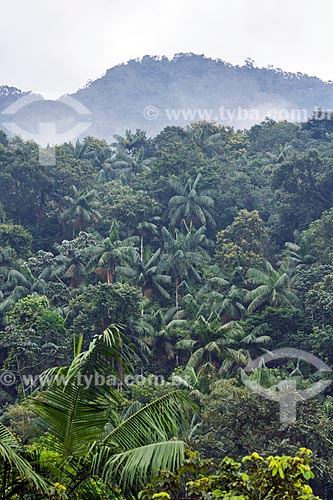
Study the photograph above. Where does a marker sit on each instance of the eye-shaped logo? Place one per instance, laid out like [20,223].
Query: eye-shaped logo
[47,133]
[286,392]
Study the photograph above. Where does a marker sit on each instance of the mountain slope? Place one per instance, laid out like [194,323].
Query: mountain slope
[154,92]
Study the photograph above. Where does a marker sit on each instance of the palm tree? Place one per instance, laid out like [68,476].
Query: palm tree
[240,342]
[19,284]
[77,150]
[127,158]
[146,228]
[298,256]
[17,476]
[214,343]
[204,343]
[8,261]
[110,171]
[71,261]
[111,252]
[132,163]
[83,209]
[163,324]
[89,435]
[270,287]
[190,204]
[219,298]
[232,305]
[211,138]
[197,381]
[7,256]
[182,252]
[98,152]
[69,266]
[130,141]
[282,153]
[144,272]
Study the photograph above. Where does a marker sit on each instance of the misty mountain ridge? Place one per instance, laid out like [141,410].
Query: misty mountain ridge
[153,92]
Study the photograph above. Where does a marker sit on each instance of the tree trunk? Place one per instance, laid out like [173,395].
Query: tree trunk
[141,249]
[110,274]
[177,295]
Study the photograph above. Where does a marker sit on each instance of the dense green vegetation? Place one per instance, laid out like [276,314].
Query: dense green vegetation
[180,257]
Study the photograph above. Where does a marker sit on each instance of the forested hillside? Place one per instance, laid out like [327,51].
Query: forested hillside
[178,258]
[153,92]
[194,86]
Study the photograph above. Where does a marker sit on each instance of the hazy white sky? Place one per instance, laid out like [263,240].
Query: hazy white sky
[56,46]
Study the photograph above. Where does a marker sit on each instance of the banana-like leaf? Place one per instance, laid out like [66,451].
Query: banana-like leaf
[9,452]
[81,399]
[144,443]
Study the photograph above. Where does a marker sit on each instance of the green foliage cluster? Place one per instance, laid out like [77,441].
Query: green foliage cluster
[255,477]
[206,247]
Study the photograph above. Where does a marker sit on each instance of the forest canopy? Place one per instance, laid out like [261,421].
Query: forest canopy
[183,256]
